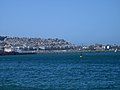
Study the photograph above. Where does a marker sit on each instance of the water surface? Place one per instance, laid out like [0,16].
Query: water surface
[94,71]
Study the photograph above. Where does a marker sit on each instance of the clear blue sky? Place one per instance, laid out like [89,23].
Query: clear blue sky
[79,21]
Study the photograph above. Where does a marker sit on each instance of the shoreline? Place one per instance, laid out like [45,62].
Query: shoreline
[52,51]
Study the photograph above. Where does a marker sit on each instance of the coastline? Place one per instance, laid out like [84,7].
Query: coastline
[13,53]
[52,51]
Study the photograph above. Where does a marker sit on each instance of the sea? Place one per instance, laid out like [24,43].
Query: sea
[61,71]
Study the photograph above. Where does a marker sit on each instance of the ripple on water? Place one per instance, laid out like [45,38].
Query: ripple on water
[58,75]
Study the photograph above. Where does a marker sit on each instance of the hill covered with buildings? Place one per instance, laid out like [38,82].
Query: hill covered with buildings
[38,45]
[17,44]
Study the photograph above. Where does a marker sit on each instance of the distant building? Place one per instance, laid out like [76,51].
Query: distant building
[1,49]
[42,47]
[85,47]
[91,47]
[17,49]
[8,48]
[107,47]
[103,47]
[98,47]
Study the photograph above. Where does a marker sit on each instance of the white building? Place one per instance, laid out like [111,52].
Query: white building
[42,47]
[8,48]
[108,47]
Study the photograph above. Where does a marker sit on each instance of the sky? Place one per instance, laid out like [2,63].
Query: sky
[78,21]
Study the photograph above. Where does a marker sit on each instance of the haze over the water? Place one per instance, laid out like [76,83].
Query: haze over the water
[79,21]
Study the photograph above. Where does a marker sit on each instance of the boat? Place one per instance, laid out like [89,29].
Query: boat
[81,56]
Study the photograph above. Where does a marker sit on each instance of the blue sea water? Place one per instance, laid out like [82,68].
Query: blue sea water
[54,71]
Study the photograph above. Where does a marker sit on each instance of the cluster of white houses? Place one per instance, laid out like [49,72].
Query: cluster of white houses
[16,44]
[9,48]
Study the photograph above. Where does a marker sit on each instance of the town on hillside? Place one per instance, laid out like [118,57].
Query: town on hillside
[39,45]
